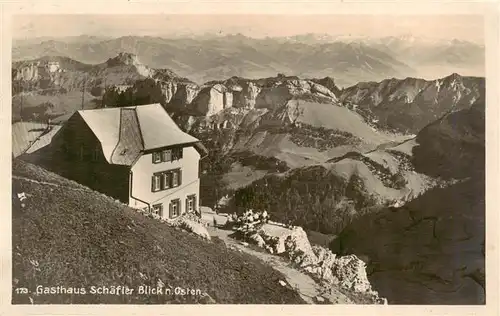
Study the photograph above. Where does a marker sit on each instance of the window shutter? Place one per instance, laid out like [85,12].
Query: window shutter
[153,157]
[166,155]
[180,152]
[165,180]
[194,203]
[152,183]
[187,204]
[170,179]
[179,177]
[170,210]
[179,211]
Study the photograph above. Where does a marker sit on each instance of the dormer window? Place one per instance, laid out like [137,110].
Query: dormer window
[156,157]
[176,153]
[167,155]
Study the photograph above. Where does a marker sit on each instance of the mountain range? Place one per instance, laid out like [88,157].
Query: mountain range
[396,105]
[206,58]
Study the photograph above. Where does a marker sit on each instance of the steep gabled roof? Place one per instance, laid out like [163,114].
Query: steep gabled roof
[158,129]
[125,132]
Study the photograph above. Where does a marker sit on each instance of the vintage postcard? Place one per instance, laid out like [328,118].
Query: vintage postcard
[264,157]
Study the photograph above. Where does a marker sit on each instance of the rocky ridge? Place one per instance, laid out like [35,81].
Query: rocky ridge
[347,272]
[213,97]
[410,104]
[126,71]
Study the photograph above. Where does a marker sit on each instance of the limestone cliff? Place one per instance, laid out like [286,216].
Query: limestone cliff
[268,93]
[184,92]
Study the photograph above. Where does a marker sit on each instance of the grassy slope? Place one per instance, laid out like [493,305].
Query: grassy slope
[81,238]
[341,118]
[381,180]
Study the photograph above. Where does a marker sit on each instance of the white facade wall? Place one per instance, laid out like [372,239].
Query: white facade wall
[141,177]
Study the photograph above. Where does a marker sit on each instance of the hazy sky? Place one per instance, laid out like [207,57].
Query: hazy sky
[466,27]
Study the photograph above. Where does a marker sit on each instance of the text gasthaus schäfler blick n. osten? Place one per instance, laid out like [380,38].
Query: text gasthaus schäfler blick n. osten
[117,290]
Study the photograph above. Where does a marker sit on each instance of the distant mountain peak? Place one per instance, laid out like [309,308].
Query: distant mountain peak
[124,58]
[452,78]
[130,59]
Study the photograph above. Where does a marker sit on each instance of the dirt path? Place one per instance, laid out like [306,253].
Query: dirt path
[43,182]
[303,283]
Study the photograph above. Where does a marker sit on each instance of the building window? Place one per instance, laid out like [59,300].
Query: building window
[158,209]
[191,203]
[156,185]
[167,155]
[156,157]
[166,179]
[176,153]
[175,208]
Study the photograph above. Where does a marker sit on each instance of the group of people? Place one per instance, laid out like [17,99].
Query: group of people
[247,220]
[250,218]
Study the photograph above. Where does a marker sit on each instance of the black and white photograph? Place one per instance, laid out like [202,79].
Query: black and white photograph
[333,159]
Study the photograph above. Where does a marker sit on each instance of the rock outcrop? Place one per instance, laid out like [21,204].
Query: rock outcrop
[27,73]
[245,94]
[298,248]
[329,83]
[213,99]
[180,92]
[38,70]
[351,273]
[130,60]
[191,223]
[347,272]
